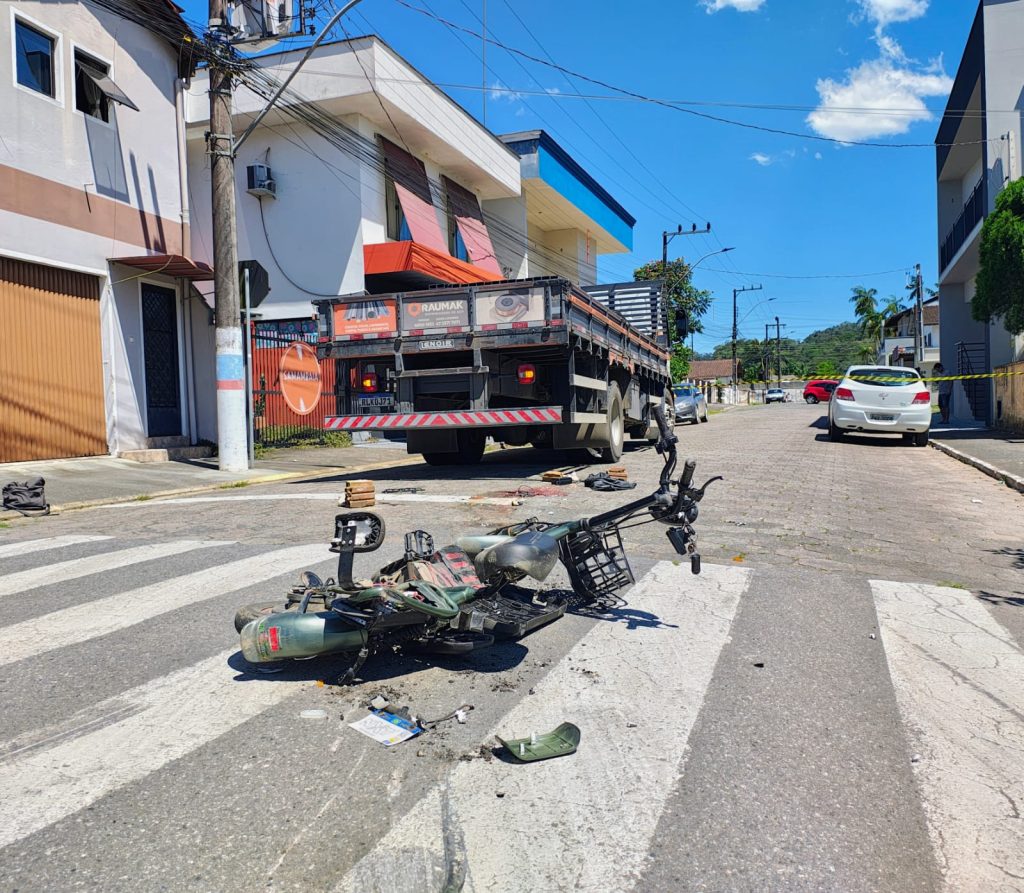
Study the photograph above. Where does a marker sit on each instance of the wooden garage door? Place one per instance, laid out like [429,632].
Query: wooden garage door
[51,364]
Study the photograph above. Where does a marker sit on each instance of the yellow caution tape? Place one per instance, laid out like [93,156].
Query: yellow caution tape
[860,378]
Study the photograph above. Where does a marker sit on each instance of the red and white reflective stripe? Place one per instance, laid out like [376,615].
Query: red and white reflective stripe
[381,335]
[544,415]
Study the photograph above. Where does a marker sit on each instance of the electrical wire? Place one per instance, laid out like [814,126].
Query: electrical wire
[686,110]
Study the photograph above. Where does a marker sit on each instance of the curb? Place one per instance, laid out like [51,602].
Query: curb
[277,477]
[1011,480]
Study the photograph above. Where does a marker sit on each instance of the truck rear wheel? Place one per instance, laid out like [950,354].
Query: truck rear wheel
[470,443]
[616,433]
[471,446]
[616,426]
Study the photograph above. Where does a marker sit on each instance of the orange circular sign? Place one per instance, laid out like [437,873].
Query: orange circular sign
[299,377]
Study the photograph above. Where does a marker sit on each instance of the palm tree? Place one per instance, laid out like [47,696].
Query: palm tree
[865,303]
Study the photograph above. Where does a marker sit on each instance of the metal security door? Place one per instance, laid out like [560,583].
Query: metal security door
[163,372]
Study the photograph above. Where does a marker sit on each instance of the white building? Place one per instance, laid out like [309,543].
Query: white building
[900,341]
[978,151]
[381,182]
[95,346]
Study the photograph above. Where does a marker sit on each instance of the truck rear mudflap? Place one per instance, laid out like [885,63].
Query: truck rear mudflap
[488,418]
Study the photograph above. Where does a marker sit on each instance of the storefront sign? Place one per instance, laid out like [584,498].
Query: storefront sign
[299,378]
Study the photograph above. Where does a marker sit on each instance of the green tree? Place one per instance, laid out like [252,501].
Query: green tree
[1000,282]
[680,296]
[871,316]
[827,369]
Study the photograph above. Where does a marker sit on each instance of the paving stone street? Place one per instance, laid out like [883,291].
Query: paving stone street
[794,718]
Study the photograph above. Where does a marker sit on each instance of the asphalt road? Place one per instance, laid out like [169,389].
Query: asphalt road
[835,704]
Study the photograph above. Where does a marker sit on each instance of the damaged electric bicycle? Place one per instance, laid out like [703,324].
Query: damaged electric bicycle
[459,598]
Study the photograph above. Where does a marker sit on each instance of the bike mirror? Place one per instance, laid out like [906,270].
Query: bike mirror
[368,527]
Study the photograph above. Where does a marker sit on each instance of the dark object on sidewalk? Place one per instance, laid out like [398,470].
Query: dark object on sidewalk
[602,481]
[404,490]
[26,498]
[560,743]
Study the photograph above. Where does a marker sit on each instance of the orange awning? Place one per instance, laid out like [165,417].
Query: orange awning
[169,265]
[409,264]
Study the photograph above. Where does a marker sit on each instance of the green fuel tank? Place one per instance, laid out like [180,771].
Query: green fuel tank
[288,635]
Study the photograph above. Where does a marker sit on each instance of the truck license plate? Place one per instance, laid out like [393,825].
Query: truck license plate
[383,401]
[441,344]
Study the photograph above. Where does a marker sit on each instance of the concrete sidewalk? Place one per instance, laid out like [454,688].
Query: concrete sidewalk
[998,454]
[79,483]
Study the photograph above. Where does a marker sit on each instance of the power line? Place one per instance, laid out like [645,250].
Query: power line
[686,110]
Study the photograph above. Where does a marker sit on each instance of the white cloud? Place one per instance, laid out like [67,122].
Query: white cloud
[885,12]
[817,156]
[762,159]
[499,91]
[883,96]
[739,5]
[880,97]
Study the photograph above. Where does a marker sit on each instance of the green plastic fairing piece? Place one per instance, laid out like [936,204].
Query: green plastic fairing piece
[560,743]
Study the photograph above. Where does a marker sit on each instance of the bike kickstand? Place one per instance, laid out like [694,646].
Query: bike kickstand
[350,674]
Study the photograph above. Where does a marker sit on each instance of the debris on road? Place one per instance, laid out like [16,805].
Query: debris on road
[359,494]
[392,490]
[386,727]
[458,714]
[560,742]
[603,481]
[313,714]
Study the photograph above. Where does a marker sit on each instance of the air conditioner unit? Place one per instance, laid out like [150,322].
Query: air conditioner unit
[260,181]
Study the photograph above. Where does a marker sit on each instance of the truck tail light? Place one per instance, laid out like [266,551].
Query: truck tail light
[368,382]
[923,397]
[844,394]
[527,373]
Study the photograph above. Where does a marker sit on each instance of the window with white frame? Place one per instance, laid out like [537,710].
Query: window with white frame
[35,59]
[94,88]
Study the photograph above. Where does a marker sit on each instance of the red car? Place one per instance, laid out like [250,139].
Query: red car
[819,391]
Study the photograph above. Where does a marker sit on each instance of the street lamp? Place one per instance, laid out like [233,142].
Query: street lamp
[711,254]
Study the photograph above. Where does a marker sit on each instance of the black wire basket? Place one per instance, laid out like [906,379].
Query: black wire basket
[597,563]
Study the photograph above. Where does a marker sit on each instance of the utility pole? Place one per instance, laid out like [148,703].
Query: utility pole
[232,422]
[918,317]
[232,441]
[736,330]
[767,356]
[778,348]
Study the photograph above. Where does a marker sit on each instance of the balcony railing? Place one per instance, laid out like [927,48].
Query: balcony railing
[972,214]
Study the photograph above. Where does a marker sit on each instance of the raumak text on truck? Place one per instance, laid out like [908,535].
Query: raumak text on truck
[538,361]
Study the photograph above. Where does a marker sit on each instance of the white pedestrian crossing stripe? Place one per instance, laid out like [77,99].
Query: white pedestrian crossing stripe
[956,671]
[76,568]
[89,620]
[606,801]
[27,547]
[959,680]
[176,715]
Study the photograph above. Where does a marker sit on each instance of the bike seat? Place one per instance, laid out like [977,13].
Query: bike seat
[474,545]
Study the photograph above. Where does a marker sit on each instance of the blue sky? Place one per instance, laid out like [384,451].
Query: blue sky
[790,206]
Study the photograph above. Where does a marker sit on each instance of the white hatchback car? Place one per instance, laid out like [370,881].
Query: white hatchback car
[881,400]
